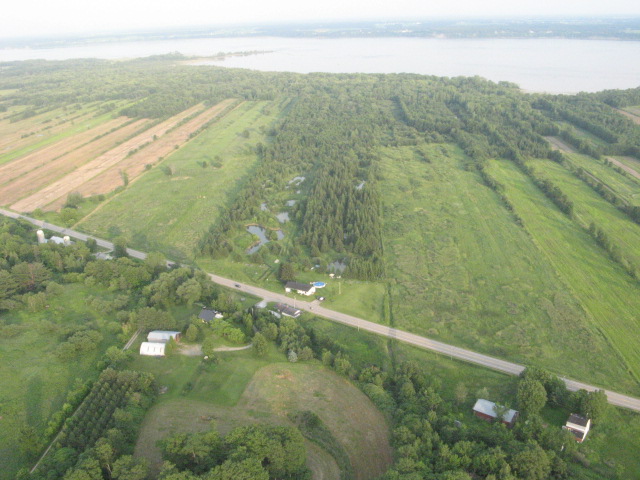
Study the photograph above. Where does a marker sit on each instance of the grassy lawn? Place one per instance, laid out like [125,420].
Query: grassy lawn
[625,186]
[465,273]
[609,297]
[243,389]
[591,207]
[192,196]
[33,382]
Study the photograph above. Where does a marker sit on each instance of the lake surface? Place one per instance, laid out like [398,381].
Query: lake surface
[541,65]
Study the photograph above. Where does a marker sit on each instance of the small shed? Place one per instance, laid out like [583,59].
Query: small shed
[487,410]
[579,426]
[206,315]
[163,336]
[300,288]
[152,349]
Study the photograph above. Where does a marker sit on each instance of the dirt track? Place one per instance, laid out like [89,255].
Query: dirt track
[559,144]
[135,164]
[33,172]
[72,182]
[626,168]
[631,116]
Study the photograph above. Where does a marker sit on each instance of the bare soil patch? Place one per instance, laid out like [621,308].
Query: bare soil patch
[135,165]
[34,172]
[72,182]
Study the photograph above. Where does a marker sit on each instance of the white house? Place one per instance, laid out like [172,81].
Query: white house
[152,349]
[163,336]
[300,288]
[579,426]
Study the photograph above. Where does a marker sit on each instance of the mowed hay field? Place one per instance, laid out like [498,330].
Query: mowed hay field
[169,213]
[610,298]
[275,391]
[464,272]
[74,180]
[134,165]
[22,137]
[26,175]
[590,207]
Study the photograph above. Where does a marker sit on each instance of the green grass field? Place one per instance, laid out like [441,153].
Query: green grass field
[591,207]
[34,382]
[609,297]
[465,273]
[243,389]
[169,213]
[624,186]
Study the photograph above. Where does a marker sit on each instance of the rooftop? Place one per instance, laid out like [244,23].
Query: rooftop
[305,287]
[578,420]
[488,408]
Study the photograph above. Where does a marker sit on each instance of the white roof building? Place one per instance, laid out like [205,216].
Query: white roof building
[486,409]
[152,349]
[162,336]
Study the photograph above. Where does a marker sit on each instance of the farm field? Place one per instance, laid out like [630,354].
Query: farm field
[38,132]
[134,165]
[192,197]
[609,297]
[34,381]
[590,207]
[622,185]
[464,272]
[35,171]
[263,391]
[74,180]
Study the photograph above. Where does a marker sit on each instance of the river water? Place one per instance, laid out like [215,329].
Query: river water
[541,65]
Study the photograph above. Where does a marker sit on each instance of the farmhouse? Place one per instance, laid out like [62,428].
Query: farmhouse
[578,425]
[287,310]
[163,336]
[152,349]
[487,410]
[301,288]
[207,315]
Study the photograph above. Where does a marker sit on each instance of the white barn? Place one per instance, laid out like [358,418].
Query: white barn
[163,336]
[152,349]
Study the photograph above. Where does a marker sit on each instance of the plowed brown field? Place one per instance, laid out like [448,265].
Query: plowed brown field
[29,174]
[41,157]
[32,130]
[53,195]
[135,164]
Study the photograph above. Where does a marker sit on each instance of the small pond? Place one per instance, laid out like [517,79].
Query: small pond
[261,233]
[283,217]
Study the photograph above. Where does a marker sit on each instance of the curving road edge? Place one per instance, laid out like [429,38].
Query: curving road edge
[470,356]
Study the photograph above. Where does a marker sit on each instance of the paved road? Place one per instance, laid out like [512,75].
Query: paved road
[359,323]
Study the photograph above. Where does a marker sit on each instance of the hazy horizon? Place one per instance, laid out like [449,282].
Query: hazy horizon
[56,18]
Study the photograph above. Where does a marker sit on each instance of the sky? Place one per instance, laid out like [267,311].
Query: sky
[21,18]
